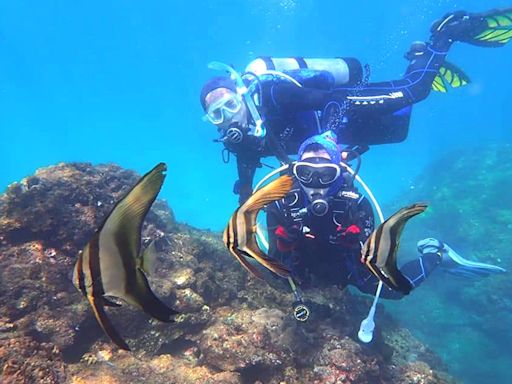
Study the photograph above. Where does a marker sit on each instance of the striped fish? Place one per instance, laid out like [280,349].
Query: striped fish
[240,233]
[380,249]
[111,265]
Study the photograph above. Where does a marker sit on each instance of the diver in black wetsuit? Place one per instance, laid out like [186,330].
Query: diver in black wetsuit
[279,109]
[317,230]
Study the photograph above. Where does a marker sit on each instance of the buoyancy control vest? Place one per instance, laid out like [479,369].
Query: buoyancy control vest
[343,209]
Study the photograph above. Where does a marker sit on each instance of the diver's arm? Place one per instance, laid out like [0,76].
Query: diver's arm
[246,166]
[290,97]
[274,219]
[282,235]
[275,222]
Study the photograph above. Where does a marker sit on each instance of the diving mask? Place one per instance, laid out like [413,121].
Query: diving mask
[223,109]
[316,172]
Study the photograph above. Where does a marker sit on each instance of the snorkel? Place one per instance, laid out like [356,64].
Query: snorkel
[258,130]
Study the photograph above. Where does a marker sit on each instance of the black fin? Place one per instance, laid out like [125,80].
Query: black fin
[143,296]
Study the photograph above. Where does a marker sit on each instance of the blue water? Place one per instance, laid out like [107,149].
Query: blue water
[118,81]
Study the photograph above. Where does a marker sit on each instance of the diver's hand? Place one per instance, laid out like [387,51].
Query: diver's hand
[346,236]
[287,237]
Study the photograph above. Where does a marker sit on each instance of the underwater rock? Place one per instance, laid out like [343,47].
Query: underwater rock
[122,368]
[343,360]
[420,373]
[232,329]
[23,360]
[188,301]
[244,338]
[470,209]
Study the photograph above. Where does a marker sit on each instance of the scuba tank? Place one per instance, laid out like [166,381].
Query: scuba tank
[346,71]
[317,73]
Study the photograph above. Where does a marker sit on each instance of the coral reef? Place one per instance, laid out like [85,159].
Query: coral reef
[27,361]
[232,328]
[471,210]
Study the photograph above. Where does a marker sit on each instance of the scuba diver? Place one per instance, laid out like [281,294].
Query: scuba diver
[318,229]
[278,103]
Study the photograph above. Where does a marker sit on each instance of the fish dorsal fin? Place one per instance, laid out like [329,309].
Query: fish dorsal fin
[147,260]
[273,191]
[124,223]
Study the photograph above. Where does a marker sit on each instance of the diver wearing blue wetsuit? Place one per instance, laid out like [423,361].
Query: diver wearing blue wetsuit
[317,230]
[360,113]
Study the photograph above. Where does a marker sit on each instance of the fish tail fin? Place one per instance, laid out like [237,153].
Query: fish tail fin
[105,323]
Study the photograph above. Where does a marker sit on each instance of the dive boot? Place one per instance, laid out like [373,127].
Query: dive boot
[454,263]
[448,76]
[486,29]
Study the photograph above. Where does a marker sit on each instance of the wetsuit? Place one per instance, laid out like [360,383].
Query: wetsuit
[361,114]
[326,250]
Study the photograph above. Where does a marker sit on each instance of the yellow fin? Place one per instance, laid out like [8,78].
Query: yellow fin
[449,75]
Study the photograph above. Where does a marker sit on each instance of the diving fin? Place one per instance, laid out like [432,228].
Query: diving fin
[487,29]
[449,75]
[455,264]
[498,31]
